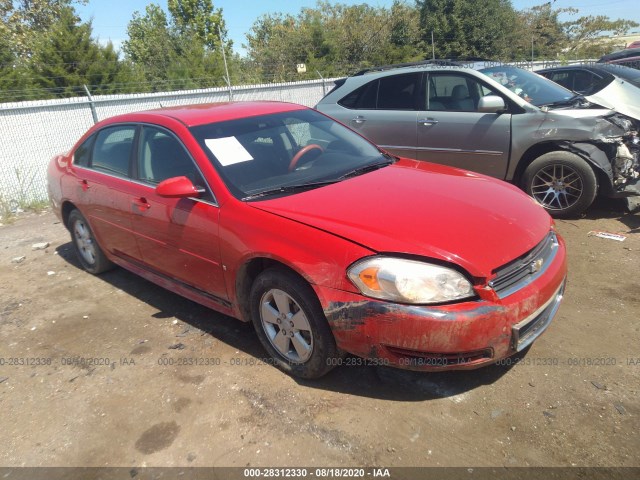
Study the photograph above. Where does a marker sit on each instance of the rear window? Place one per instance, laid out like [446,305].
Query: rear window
[82,155]
[362,98]
[394,92]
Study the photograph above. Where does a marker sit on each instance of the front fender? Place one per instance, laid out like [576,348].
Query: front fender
[248,233]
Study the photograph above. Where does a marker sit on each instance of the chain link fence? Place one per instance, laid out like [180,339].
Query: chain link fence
[31,133]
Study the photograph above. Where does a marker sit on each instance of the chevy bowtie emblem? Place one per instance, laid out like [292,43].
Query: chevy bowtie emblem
[536,266]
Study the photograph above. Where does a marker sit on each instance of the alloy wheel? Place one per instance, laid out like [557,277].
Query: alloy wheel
[557,187]
[286,326]
[86,247]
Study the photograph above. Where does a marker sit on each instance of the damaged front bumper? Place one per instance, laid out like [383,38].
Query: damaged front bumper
[626,159]
[615,151]
[457,336]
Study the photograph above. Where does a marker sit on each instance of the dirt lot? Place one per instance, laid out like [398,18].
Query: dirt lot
[175,384]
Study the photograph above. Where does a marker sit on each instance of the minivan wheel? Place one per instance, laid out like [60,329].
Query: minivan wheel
[562,182]
[91,256]
[291,325]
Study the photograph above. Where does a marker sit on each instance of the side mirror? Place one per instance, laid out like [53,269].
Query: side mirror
[177,187]
[491,104]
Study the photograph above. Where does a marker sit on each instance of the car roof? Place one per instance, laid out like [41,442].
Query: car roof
[626,73]
[472,63]
[417,64]
[600,69]
[569,67]
[201,114]
[625,53]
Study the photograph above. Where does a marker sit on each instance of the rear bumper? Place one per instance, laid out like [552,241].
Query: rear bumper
[465,335]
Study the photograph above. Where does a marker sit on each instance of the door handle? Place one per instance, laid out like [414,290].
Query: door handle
[359,120]
[427,122]
[141,203]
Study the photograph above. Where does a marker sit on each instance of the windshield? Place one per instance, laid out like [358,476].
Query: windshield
[530,86]
[282,153]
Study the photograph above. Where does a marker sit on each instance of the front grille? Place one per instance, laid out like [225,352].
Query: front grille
[523,270]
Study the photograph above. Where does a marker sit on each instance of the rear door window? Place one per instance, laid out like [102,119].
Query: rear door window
[395,92]
[82,155]
[112,150]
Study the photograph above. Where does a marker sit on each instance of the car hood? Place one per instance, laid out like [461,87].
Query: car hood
[418,208]
[582,125]
[621,96]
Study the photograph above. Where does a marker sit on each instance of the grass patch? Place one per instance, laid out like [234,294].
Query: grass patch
[35,206]
[10,209]
[6,212]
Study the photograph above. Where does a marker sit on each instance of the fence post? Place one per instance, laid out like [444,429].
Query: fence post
[324,88]
[92,105]
[226,68]
[226,80]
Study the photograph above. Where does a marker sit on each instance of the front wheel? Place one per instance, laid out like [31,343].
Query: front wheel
[91,256]
[291,325]
[562,182]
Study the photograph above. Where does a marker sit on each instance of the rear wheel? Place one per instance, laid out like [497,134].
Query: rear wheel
[91,256]
[291,325]
[562,182]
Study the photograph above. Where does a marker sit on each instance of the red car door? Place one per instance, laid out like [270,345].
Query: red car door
[177,237]
[103,187]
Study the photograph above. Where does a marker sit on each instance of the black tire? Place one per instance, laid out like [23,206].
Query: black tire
[562,182]
[89,253]
[297,303]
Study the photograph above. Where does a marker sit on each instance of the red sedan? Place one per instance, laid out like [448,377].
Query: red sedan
[274,213]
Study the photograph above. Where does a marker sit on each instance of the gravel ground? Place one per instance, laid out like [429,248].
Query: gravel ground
[111,370]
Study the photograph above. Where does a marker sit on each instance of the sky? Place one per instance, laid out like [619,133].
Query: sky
[110,17]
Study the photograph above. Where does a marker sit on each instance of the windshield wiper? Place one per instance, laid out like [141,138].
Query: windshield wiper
[578,97]
[301,187]
[365,168]
[298,187]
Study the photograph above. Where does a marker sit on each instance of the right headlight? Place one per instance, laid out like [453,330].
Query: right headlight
[408,281]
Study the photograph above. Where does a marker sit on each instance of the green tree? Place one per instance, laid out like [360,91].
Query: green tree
[466,28]
[43,45]
[10,74]
[25,21]
[273,47]
[404,34]
[332,39]
[67,57]
[181,50]
[199,33]
[584,34]
[582,37]
[150,45]
[540,25]
[198,19]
